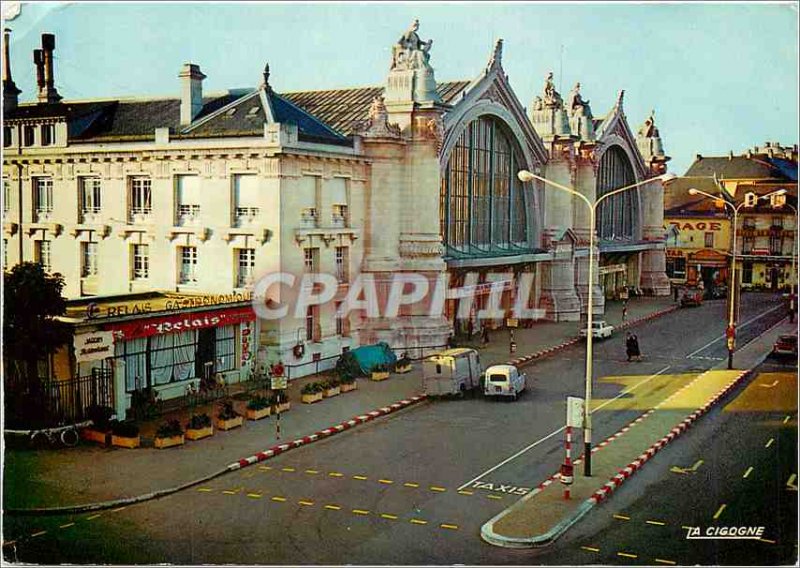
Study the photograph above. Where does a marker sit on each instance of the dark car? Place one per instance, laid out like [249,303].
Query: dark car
[785,346]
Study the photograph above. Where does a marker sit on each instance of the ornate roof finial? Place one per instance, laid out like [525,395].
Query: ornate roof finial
[377,125]
[620,98]
[551,98]
[410,52]
[266,77]
[497,56]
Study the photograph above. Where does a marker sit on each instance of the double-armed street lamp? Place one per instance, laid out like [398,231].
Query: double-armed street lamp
[750,201]
[526,176]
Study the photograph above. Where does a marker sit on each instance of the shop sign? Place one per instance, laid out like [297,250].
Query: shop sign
[672,253]
[183,322]
[698,226]
[483,288]
[94,346]
[246,335]
[611,268]
[279,383]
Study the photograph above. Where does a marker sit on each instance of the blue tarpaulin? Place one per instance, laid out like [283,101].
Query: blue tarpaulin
[360,361]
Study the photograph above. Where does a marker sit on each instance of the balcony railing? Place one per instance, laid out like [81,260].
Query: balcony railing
[43,215]
[90,215]
[139,214]
[246,215]
[188,214]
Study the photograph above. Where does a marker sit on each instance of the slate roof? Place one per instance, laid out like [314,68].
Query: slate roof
[676,192]
[696,207]
[736,167]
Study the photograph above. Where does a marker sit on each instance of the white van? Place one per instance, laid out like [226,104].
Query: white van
[504,380]
[454,371]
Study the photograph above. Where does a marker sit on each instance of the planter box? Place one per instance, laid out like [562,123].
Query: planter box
[169,442]
[382,376]
[258,414]
[92,435]
[124,442]
[403,369]
[229,424]
[328,393]
[282,407]
[345,387]
[312,398]
[200,433]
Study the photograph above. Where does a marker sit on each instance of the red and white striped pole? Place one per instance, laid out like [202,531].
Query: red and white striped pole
[567,469]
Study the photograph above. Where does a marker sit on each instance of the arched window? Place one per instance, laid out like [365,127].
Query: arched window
[483,207]
[618,216]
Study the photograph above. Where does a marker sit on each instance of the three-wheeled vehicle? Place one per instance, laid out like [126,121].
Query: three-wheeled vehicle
[454,371]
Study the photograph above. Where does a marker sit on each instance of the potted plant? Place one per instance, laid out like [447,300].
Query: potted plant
[169,434]
[311,393]
[330,388]
[258,408]
[100,430]
[403,364]
[347,382]
[279,402]
[380,372]
[199,427]
[228,418]
[125,435]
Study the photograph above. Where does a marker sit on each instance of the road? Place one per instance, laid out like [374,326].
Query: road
[410,489]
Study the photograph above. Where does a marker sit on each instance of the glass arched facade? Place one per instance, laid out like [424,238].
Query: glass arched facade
[483,208]
[618,216]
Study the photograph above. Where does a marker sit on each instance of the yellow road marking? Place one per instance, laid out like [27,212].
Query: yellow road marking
[66,526]
[418,522]
[661,561]
[385,481]
[659,523]
[626,555]
[333,507]
[451,527]
[684,527]
[205,490]
[719,511]
[590,548]
[435,488]
[93,517]
[494,496]
[767,540]
[118,509]
[279,499]
[785,420]
[40,533]
[229,492]
[791,484]
[768,444]
[254,495]
[264,467]
[360,512]
[621,517]
[306,503]
[336,474]
[411,484]
[466,493]
[312,471]
[388,516]
[746,473]
[289,469]
[360,477]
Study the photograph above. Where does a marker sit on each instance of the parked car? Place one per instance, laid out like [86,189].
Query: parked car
[454,371]
[692,297]
[504,380]
[600,330]
[785,346]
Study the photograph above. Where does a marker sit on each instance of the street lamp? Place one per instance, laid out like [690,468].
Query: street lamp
[793,286]
[526,176]
[748,202]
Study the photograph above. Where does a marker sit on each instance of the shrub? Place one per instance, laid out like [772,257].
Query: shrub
[169,429]
[380,368]
[403,361]
[258,403]
[310,388]
[227,412]
[124,429]
[198,422]
[100,416]
[334,382]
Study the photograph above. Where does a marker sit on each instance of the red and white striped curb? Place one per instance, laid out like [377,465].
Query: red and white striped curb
[625,473]
[327,432]
[550,350]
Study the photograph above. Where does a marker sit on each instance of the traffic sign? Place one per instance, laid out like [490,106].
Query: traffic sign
[574,412]
[279,383]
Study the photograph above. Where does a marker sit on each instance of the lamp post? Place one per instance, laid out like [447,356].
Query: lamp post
[526,176]
[793,285]
[748,202]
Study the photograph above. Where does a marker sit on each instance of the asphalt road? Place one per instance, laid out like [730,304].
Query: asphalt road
[413,488]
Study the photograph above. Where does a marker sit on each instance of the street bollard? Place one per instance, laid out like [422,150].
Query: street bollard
[567,467]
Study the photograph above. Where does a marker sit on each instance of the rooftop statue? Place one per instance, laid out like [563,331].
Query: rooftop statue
[649,129]
[410,52]
[551,97]
[576,104]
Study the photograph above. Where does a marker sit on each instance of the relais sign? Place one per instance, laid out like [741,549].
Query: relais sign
[183,322]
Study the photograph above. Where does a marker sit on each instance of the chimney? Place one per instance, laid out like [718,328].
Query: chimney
[10,90]
[44,70]
[191,92]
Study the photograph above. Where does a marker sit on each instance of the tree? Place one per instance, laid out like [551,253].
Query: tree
[32,301]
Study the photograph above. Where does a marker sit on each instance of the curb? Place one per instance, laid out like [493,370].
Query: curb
[244,462]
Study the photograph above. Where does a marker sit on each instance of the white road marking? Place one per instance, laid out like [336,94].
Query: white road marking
[554,432]
[721,337]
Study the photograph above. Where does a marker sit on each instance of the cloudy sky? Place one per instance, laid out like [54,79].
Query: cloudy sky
[720,76]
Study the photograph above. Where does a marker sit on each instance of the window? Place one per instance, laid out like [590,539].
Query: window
[6,196]
[676,267]
[48,134]
[225,348]
[188,266]
[6,136]
[29,135]
[777,222]
[342,264]
[188,194]
[747,244]
[43,197]
[88,259]
[341,321]
[90,196]
[140,196]
[311,321]
[246,264]
[340,215]
[141,262]
[747,272]
[42,254]
[245,198]
[309,216]
[749,223]
[5,253]
[709,240]
[775,244]
[311,260]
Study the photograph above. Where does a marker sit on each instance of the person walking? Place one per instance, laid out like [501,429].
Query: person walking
[635,345]
[624,310]
[629,345]
[485,335]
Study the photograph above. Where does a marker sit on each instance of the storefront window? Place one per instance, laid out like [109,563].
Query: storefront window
[676,267]
[747,272]
[225,348]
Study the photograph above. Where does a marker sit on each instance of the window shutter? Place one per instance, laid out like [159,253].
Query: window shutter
[246,191]
[188,190]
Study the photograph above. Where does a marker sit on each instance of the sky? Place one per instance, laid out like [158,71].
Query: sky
[720,76]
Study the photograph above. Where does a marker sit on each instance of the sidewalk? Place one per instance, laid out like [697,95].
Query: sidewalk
[542,515]
[90,473]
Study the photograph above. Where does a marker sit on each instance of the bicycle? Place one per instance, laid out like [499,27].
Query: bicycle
[66,436]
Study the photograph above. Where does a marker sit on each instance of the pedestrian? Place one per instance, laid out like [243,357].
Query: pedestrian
[485,335]
[624,310]
[675,293]
[635,344]
[629,345]
[470,329]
